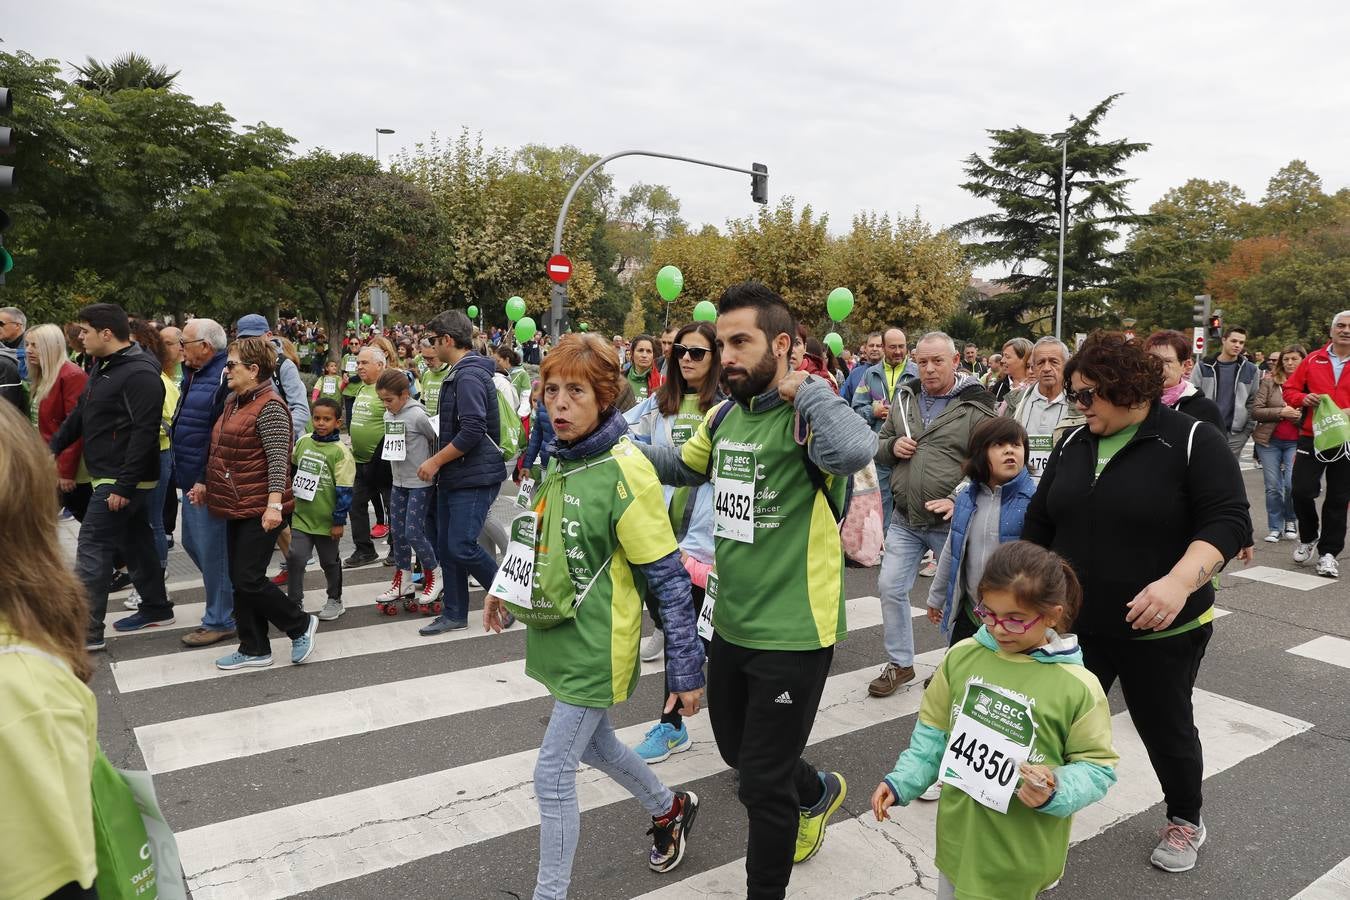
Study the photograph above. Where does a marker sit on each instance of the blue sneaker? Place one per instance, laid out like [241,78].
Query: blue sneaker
[237,660]
[662,740]
[303,646]
[137,620]
[440,626]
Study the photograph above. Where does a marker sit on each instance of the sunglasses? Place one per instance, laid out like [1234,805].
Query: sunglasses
[1082,397]
[1012,626]
[695,354]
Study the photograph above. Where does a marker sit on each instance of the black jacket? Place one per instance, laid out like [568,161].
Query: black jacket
[11,385]
[1198,406]
[118,416]
[1127,528]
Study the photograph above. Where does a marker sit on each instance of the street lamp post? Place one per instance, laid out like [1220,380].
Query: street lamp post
[1063,217]
[378,132]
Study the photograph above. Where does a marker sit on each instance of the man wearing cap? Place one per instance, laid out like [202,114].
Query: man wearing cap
[290,386]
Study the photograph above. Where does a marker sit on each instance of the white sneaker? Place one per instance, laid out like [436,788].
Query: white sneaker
[1291,531]
[933,793]
[1304,553]
[133,601]
[1327,568]
[654,646]
[1273,537]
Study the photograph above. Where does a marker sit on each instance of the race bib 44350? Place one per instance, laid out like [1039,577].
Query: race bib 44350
[992,736]
[734,493]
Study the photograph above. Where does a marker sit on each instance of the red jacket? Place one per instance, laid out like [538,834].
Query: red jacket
[1314,376]
[55,408]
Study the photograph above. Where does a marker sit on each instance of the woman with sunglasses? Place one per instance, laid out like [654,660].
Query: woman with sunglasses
[1147,504]
[667,419]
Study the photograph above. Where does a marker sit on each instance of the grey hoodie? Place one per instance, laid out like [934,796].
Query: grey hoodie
[423,443]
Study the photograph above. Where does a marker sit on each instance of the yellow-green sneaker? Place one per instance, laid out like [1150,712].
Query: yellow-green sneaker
[811,825]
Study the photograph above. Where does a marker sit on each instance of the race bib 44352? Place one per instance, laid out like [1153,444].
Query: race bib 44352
[734,494]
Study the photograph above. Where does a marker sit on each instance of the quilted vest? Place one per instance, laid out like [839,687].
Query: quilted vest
[236,471]
[193,422]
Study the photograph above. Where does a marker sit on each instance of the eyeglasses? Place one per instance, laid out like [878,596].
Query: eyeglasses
[183,343]
[1012,626]
[230,364]
[1083,397]
[695,354]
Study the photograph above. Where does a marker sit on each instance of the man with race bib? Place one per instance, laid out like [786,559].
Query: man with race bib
[779,458]
[1040,407]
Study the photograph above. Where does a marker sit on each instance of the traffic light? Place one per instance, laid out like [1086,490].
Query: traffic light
[6,180]
[1214,325]
[1200,315]
[759,183]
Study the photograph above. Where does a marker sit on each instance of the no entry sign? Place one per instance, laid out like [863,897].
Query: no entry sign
[559,268]
[1199,338]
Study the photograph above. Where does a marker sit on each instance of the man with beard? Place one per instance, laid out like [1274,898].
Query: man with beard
[779,456]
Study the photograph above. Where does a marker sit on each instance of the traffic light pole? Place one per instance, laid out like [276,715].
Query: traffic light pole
[560,290]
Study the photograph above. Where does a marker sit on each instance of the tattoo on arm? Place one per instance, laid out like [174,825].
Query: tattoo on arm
[1206,575]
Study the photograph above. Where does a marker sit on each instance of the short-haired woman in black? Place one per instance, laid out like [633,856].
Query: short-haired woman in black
[1147,504]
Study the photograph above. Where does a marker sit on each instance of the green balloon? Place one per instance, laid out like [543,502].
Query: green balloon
[473,312]
[705,311]
[585,326]
[367,318]
[351,324]
[839,303]
[515,308]
[525,328]
[834,342]
[669,283]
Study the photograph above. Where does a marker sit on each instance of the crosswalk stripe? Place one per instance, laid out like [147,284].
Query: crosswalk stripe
[865,858]
[1334,885]
[1299,581]
[303,847]
[232,734]
[1327,649]
[185,666]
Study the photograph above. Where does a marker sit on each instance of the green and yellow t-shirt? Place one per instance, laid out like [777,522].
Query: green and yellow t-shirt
[1022,851]
[330,386]
[335,467]
[170,406]
[367,424]
[784,590]
[431,387]
[348,367]
[614,519]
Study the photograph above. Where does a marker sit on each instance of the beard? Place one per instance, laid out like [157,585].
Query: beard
[756,380]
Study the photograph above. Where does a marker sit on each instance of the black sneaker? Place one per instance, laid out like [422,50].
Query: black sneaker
[357,560]
[120,581]
[669,835]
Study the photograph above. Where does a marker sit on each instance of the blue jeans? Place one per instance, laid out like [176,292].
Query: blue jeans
[1277,464]
[408,527]
[887,501]
[157,495]
[460,514]
[579,734]
[204,540]
[905,546]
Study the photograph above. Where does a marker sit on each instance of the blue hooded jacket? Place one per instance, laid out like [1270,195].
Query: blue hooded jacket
[469,420]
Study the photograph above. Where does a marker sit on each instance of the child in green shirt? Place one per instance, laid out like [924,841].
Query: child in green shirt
[324,474]
[1017,730]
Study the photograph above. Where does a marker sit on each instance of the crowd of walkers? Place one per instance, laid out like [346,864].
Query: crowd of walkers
[702,474]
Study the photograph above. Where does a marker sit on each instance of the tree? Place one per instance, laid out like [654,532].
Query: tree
[707,259]
[347,223]
[128,71]
[647,213]
[786,251]
[1021,176]
[1292,297]
[1167,260]
[157,198]
[1294,203]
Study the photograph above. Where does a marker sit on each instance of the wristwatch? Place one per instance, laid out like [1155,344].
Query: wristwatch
[277,506]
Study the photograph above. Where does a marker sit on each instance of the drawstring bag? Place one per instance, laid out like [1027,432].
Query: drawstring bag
[861,533]
[135,849]
[1331,431]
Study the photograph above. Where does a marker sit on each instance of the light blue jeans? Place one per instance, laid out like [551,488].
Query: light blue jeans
[905,546]
[1277,465]
[204,540]
[580,734]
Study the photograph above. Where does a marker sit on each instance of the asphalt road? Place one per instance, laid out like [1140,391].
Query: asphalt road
[396,767]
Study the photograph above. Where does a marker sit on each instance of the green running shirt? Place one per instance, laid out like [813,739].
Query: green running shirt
[334,465]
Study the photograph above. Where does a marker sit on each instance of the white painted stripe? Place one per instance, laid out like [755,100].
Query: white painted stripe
[199,665]
[1334,885]
[232,734]
[865,858]
[1220,613]
[309,845]
[1327,649]
[558,268]
[1299,581]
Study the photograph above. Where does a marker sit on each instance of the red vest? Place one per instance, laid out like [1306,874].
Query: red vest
[236,471]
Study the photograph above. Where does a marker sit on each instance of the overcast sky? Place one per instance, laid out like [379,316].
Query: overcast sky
[852,105]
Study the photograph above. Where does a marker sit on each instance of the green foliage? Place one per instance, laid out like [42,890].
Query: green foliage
[128,71]
[1021,177]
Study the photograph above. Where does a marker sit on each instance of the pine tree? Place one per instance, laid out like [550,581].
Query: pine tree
[1021,176]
